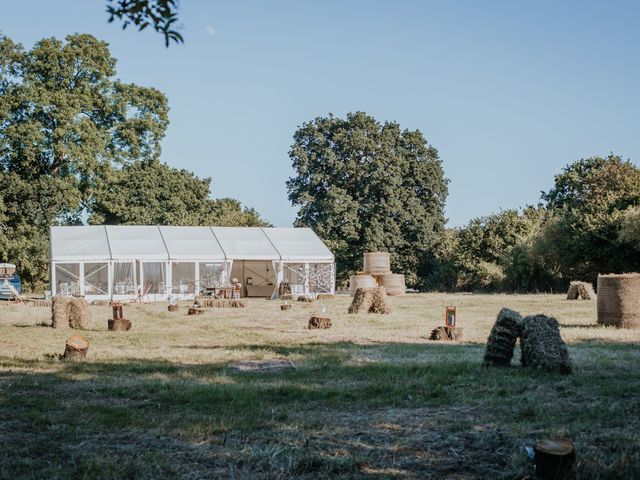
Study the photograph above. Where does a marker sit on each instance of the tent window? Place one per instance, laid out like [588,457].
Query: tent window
[183,277]
[96,279]
[123,279]
[320,277]
[210,275]
[293,273]
[68,278]
[154,278]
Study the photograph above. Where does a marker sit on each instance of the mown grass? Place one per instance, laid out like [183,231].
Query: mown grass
[369,398]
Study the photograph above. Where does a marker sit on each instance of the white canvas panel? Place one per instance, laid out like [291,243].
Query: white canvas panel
[245,243]
[298,244]
[81,243]
[191,243]
[136,242]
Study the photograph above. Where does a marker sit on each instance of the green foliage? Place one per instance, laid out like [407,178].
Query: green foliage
[590,198]
[366,186]
[630,227]
[76,143]
[160,14]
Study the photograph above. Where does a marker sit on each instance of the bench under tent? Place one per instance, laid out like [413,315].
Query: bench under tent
[152,263]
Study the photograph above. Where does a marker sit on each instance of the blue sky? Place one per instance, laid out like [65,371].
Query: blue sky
[509,92]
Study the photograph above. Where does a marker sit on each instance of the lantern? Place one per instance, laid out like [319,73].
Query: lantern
[116,309]
[450,316]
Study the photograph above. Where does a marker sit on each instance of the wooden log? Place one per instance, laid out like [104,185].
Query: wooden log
[319,322]
[555,459]
[173,308]
[119,324]
[76,348]
[286,306]
[195,311]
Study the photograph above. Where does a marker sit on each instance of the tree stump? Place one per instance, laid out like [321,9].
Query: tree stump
[173,308]
[76,348]
[119,324]
[555,459]
[195,311]
[319,322]
[286,306]
[446,333]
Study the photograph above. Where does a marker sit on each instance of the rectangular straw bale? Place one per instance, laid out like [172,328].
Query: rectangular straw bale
[60,311]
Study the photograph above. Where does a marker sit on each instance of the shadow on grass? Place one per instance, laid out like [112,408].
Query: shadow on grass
[176,416]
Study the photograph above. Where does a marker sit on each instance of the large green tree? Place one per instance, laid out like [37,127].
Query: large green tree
[590,199]
[152,192]
[365,186]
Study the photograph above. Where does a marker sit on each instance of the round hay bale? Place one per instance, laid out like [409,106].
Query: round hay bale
[76,348]
[393,283]
[361,281]
[79,313]
[325,296]
[362,299]
[380,302]
[619,300]
[377,263]
[60,312]
[502,339]
[542,346]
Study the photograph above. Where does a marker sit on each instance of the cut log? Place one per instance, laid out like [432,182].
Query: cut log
[555,459]
[195,311]
[446,333]
[76,348]
[173,308]
[119,324]
[286,306]
[319,322]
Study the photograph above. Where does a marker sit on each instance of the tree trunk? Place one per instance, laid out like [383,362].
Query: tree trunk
[555,460]
[117,324]
[76,348]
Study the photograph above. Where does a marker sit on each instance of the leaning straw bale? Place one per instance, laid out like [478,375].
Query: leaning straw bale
[380,302]
[502,339]
[79,313]
[542,346]
[60,311]
[362,299]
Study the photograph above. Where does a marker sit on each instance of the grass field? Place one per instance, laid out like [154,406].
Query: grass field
[369,398]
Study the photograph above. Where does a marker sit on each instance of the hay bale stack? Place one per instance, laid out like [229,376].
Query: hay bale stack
[380,302]
[222,302]
[361,281]
[319,322]
[325,296]
[542,346]
[377,263]
[60,312]
[619,300]
[446,333]
[361,300]
[79,313]
[76,348]
[393,283]
[502,339]
[580,291]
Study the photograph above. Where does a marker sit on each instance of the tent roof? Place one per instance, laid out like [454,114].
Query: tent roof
[245,243]
[160,243]
[191,243]
[129,242]
[82,243]
[296,244]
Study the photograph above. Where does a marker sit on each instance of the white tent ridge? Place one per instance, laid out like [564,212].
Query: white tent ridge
[122,261]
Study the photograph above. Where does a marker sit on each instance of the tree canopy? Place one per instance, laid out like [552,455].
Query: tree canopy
[161,15]
[365,186]
[77,144]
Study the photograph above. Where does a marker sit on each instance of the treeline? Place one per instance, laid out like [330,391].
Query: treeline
[365,186]
[77,145]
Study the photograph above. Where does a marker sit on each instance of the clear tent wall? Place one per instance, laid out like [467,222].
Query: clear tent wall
[157,262]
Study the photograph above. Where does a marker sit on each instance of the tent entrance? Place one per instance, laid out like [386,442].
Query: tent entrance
[257,277]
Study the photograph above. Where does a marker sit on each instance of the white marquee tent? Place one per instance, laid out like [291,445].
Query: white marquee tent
[154,262]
